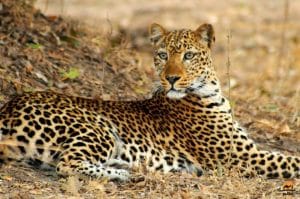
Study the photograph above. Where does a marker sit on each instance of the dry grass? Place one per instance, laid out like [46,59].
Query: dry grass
[29,183]
[38,53]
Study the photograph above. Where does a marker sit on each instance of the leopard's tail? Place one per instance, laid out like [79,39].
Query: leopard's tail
[252,160]
[275,165]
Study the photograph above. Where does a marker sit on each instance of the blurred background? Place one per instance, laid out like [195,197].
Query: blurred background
[100,49]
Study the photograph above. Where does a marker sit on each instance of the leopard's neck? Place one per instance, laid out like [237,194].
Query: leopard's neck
[215,102]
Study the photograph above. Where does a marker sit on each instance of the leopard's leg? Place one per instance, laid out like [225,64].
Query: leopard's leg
[92,154]
[95,170]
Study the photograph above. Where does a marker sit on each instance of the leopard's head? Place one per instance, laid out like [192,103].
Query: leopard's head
[183,60]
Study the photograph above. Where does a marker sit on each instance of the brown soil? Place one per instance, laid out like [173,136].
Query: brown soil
[111,59]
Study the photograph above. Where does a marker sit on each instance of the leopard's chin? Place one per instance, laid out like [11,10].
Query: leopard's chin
[173,94]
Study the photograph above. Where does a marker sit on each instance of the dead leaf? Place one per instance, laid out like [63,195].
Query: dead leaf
[41,76]
[28,68]
[35,192]
[289,185]
[267,123]
[72,185]
[284,129]
[7,178]
[185,195]
[18,86]
[98,186]
[52,17]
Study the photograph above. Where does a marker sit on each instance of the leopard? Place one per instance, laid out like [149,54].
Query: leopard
[186,126]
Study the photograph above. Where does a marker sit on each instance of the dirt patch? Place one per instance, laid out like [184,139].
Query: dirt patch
[49,52]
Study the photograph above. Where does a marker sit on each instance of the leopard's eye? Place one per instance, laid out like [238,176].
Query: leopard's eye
[188,55]
[163,55]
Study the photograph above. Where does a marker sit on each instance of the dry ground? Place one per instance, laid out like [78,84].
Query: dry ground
[100,49]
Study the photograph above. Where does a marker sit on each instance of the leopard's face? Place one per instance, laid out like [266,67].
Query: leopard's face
[183,60]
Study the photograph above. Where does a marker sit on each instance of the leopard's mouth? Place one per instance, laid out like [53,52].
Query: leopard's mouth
[199,88]
[178,92]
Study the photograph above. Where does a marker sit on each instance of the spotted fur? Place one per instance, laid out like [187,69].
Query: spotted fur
[187,125]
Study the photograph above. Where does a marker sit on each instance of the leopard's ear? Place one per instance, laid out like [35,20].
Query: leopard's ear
[157,33]
[207,34]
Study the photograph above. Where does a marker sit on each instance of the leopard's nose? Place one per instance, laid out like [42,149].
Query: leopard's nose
[172,79]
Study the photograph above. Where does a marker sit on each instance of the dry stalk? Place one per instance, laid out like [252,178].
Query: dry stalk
[62,6]
[102,79]
[228,65]
[296,114]
[108,37]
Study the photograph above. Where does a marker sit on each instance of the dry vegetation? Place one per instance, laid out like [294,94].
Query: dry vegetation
[112,60]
